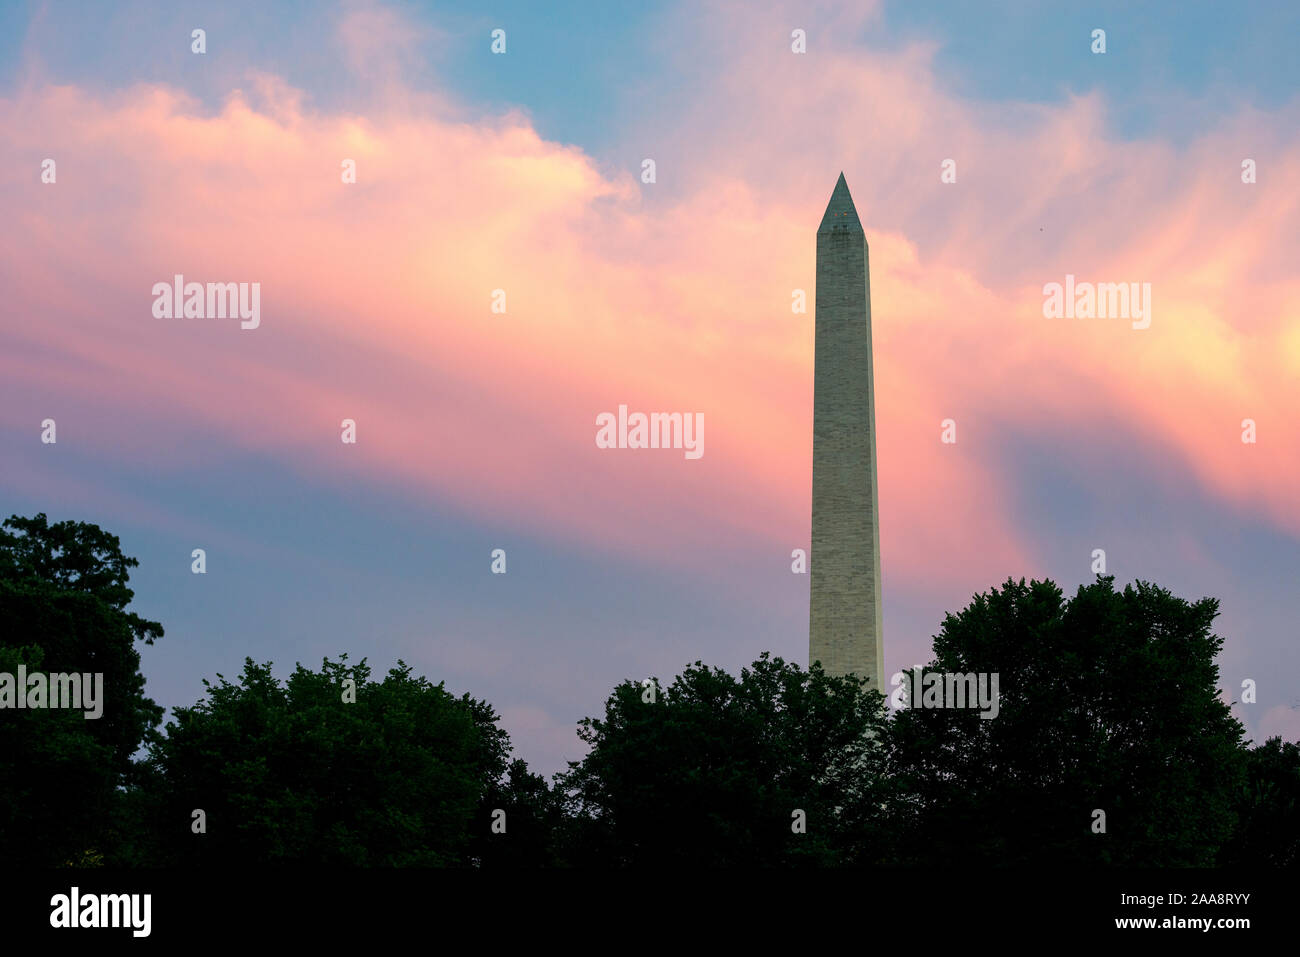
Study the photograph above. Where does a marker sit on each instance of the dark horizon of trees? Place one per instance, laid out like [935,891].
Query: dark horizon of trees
[1111,747]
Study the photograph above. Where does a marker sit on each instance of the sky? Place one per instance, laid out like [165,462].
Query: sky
[522,171]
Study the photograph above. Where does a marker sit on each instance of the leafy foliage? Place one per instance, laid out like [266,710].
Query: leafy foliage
[712,770]
[288,773]
[63,598]
[1108,701]
[72,557]
[1268,807]
[535,822]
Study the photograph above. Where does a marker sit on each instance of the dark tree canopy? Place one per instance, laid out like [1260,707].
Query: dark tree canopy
[72,557]
[711,771]
[1268,806]
[1109,701]
[57,784]
[290,773]
[534,822]
[63,598]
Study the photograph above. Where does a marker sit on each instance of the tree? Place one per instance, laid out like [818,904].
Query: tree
[73,557]
[292,773]
[1108,702]
[63,599]
[1268,805]
[57,786]
[718,771]
[534,822]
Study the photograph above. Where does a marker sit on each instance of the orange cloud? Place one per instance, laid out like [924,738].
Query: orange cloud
[376,295]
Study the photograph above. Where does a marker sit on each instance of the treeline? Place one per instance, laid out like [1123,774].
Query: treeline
[1110,746]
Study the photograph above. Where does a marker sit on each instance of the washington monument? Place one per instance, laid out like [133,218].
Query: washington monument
[844,631]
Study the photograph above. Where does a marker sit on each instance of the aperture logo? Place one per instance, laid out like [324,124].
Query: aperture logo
[39,690]
[179,299]
[102,910]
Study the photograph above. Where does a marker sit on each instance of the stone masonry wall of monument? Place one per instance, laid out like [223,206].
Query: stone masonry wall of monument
[845,610]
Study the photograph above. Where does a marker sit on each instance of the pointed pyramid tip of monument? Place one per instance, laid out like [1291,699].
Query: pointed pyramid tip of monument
[840,211]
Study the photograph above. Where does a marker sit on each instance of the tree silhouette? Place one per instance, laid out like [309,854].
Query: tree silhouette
[711,770]
[291,773]
[1268,807]
[63,598]
[1108,702]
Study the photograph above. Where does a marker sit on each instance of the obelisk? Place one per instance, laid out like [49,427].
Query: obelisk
[844,631]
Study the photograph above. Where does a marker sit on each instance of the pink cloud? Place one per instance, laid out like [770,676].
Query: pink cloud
[1280,721]
[375,296]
